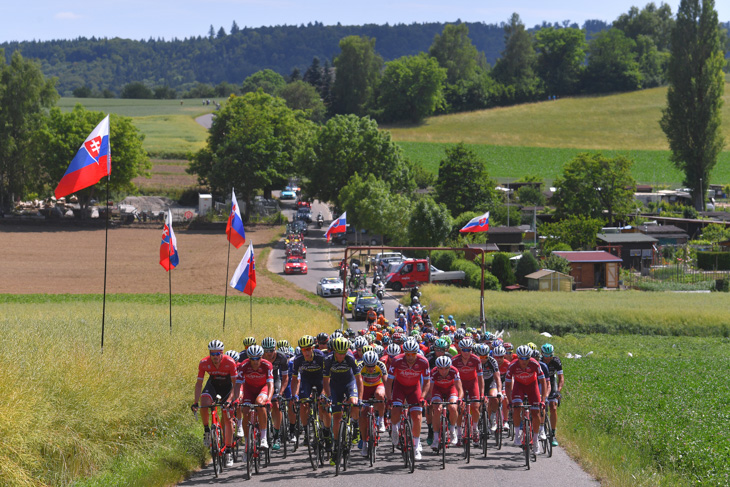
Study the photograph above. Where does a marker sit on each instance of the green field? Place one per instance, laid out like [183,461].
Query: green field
[69,414]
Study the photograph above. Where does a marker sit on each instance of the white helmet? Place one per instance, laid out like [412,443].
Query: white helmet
[216,345]
[443,361]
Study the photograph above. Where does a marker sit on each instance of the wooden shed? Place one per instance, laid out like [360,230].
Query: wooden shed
[593,268]
[549,280]
[636,250]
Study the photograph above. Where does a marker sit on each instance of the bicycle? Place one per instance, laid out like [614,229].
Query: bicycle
[344,439]
[217,441]
[466,427]
[443,430]
[405,439]
[313,437]
[527,433]
[485,431]
[483,428]
[253,440]
[510,424]
[373,433]
[284,430]
[547,443]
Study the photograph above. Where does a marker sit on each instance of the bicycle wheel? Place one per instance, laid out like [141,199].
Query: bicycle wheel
[372,431]
[214,452]
[483,430]
[309,440]
[409,453]
[526,435]
[269,438]
[549,434]
[498,433]
[250,451]
[340,447]
[256,449]
[442,446]
[467,432]
[511,424]
[284,428]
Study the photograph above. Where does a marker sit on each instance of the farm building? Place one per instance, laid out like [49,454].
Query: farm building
[635,249]
[665,234]
[508,239]
[549,280]
[592,268]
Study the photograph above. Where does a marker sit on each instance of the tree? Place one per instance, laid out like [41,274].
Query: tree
[612,64]
[64,133]
[560,58]
[463,183]
[715,233]
[531,196]
[313,75]
[655,23]
[165,93]
[348,144]
[25,95]
[252,144]
[234,28]
[592,184]
[221,33]
[502,270]
[300,95]
[525,266]
[358,70]
[137,90]
[455,52]
[83,91]
[267,80]
[692,118]
[578,232]
[516,66]
[211,32]
[429,224]
[411,88]
[556,263]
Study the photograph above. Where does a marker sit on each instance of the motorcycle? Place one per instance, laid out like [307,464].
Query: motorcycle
[380,290]
[320,221]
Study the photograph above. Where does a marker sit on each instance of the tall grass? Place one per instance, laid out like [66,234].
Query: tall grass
[631,312]
[71,414]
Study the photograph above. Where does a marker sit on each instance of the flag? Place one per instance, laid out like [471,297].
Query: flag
[93,161]
[168,248]
[477,224]
[337,226]
[244,279]
[234,229]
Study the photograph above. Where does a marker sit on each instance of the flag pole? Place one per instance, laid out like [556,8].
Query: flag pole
[225,298]
[106,247]
[169,270]
[250,296]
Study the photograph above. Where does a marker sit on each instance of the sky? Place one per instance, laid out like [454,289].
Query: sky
[142,19]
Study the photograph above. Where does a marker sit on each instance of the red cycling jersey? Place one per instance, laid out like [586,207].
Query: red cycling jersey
[503,367]
[226,369]
[447,381]
[470,370]
[526,376]
[255,378]
[408,375]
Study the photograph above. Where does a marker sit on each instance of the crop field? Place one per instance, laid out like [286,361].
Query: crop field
[68,412]
[140,108]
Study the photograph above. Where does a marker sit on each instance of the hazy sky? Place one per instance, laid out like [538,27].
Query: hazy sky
[138,19]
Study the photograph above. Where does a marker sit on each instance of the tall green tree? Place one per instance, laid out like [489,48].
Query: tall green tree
[560,57]
[525,266]
[358,70]
[575,231]
[463,183]
[612,64]
[64,133]
[692,118]
[518,63]
[502,270]
[25,95]
[429,224]
[455,52]
[592,184]
[411,88]
[348,144]
[252,144]
[651,21]
[300,95]
[269,81]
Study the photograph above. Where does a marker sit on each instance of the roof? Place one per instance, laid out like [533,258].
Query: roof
[488,247]
[588,256]
[543,273]
[618,238]
[519,229]
[660,230]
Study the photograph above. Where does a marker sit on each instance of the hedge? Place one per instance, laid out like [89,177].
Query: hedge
[708,261]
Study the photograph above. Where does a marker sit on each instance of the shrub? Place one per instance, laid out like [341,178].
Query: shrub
[502,268]
[690,212]
[443,259]
[527,265]
[474,275]
[713,260]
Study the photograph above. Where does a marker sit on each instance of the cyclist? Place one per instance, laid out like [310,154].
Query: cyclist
[510,355]
[472,379]
[440,323]
[492,382]
[500,355]
[280,363]
[525,377]
[255,384]
[221,370]
[247,342]
[308,372]
[391,352]
[373,375]
[451,322]
[322,340]
[404,383]
[546,373]
[557,381]
[440,347]
[445,387]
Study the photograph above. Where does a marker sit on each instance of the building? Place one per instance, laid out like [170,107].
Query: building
[549,280]
[665,234]
[636,250]
[508,239]
[592,268]
[487,247]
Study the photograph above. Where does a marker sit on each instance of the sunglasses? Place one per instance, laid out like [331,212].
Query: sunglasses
[215,354]
[465,349]
[254,358]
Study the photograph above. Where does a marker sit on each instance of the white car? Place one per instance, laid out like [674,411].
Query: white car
[330,286]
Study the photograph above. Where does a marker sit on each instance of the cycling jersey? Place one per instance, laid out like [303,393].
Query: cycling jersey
[408,375]
[280,365]
[255,377]
[341,372]
[532,373]
[447,381]
[470,370]
[224,372]
[555,368]
[310,370]
[374,377]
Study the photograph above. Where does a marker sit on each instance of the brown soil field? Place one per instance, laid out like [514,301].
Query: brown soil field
[36,259]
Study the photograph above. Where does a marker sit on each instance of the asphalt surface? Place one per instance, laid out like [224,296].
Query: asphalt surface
[505,465]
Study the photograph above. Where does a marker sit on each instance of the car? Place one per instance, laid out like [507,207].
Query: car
[288,194]
[304,214]
[352,297]
[295,265]
[350,237]
[386,257]
[330,286]
[363,304]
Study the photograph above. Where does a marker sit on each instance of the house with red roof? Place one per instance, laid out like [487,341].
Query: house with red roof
[593,268]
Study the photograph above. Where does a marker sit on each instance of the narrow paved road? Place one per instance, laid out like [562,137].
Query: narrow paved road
[505,465]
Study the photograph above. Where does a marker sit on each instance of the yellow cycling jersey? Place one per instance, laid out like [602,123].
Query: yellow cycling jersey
[372,378]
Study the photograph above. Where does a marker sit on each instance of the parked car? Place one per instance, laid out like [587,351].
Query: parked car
[295,265]
[386,257]
[363,304]
[361,238]
[330,286]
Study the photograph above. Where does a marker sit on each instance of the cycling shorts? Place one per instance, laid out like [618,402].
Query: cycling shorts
[217,388]
[532,391]
[490,387]
[369,392]
[442,394]
[409,394]
[250,393]
[305,387]
[340,393]
[471,389]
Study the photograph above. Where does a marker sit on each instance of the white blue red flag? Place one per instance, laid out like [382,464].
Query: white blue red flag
[168,248]
[234,229]
[477,224]
[93,161]
[337,226]
[244,279]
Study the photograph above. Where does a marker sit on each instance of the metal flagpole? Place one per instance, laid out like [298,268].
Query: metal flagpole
[225,298]
[250,308]
[169,270]
[106,247]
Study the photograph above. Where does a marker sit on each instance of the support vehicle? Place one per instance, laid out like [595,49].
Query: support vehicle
[413,272]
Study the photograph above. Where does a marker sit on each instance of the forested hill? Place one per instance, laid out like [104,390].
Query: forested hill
[111,63]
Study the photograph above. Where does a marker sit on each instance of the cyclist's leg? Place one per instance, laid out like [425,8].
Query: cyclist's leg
[206,400]
[414,399]
[435,415]
[261,400]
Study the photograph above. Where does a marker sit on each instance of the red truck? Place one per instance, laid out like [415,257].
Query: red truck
[414,272]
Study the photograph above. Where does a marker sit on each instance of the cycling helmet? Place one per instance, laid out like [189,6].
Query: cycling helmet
[428,338]
[370,358]
[297,351]
[306,341]
[216,345]
[341,345]
[360,342]
[414,300]
[497,343]
[335,334]
[488,336]
[508,347]
[461,330]
[458,336]
[282,344]
[415,333]
[441,344]
[233,354]
[466,344]
[411,346]
[379,350]
[443,362]
[367,348]
[499,351]
[481,349]
[393,349]
[448,340]
[248,341]
[398,338]
[536,354]
[441,317]
[254,352]
[547,350]
[451,317]
[524,352]
[268,344]
[322,338]
[532,346]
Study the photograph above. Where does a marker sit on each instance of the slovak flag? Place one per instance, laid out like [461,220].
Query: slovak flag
[337,226]
[234,229]
[477,224]
[244,279]
[93,161]
[168,248]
